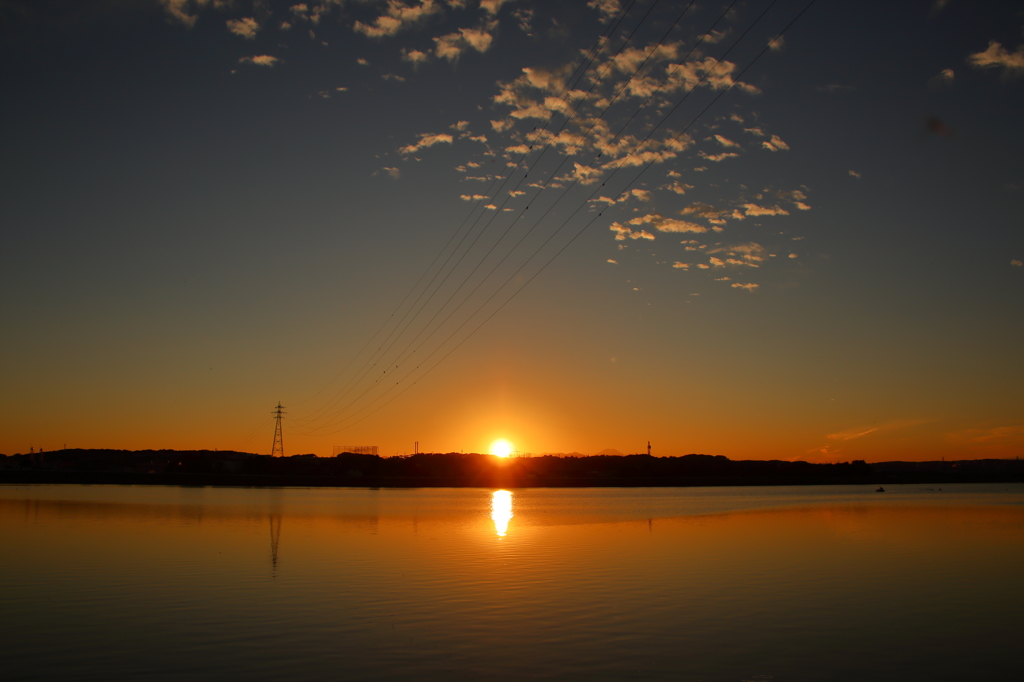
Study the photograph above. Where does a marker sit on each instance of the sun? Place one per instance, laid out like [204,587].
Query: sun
[501,448]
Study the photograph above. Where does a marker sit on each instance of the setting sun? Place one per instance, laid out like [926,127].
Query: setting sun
[501,448]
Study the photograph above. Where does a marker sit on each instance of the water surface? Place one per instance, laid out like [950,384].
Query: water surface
[803,583]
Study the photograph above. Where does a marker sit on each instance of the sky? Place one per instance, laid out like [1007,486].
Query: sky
[764,230]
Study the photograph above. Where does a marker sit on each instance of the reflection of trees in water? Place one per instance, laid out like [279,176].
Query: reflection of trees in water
[275,538]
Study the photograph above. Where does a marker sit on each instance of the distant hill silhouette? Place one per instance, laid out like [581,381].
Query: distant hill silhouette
[608,452]
[206,467]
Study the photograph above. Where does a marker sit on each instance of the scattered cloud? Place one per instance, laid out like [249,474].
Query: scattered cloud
[750,254]
[393,173]
[717,157]
[681,266]
[393,77]
[426,140]
[996,56]
[726,142]
[246,27]
[944,77]
[414,57]
[855,174]
[524,17]
[678,187]
[749,287]
[397,16]
[452,45]
[1017,263]
[622,233]
[473,197]
[259,60]
[663,224]
[793,255]
[754,209]
[777,43]
[613,261]
[362,62]
[606,8]
[775,144]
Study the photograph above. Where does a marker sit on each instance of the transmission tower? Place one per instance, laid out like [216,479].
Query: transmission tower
[278,448]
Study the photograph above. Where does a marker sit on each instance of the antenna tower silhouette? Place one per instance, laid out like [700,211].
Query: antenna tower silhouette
[277,450]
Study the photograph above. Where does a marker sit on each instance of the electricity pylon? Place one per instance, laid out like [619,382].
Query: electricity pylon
[278,448]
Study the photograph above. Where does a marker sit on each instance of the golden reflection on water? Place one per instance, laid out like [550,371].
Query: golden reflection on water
[501,511]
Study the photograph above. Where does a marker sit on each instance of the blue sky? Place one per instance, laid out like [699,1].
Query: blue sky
[212,206]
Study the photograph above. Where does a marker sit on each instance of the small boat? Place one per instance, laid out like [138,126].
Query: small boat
[880,489]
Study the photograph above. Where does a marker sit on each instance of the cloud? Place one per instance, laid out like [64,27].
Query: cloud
[678,187]
[245,28]
[606,8]
[1016,263]
[393,173]
[996,56]
[681,266]
[613,261]
[749,287]
[726,142]
[525,19]
[718,157]
[855,174]
[393,77]
[997,435]
[184,11]
[775,144]
[492,6]
[362,62]
[793,255]
[397,17]
[473,197]
[426,140]
[750,254]
[452,45]
[340,89]
[460,126]
[754,209]
[259,60]
[946,76]
[414,57]
[663,224]
[622,233]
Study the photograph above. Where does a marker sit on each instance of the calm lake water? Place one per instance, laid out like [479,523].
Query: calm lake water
[738,584]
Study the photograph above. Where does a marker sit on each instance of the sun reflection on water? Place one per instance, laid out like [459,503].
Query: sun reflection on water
[501,511]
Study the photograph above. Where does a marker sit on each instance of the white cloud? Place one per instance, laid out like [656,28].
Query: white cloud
[717,157]
[775,144]
[622,233]
[426,140]
[606,8]
[397,17]
[492,6]
[259,60]
[414,57]
[996,56]
[245,28]
[663,224]
[452,45]
[754,209]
